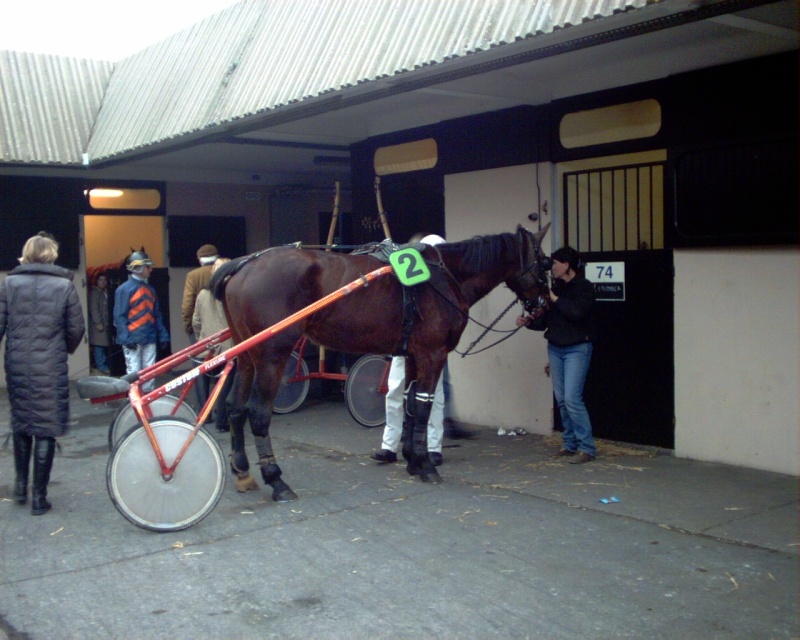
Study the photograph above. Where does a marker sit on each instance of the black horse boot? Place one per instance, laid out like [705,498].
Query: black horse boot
[43,451]
[281,492]
[22,462]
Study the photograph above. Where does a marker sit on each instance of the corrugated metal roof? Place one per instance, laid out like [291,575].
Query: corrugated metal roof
[48,106]
[261,55]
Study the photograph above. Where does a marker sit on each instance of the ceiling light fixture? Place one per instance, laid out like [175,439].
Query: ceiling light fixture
[106,193]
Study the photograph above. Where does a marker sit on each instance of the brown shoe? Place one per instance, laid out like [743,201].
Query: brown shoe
[581,458]
[563,453]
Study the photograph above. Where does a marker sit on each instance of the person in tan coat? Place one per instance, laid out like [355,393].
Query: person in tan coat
[208,319]
[196,281]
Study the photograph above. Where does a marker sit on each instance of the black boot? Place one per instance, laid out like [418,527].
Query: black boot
[281,492]
[22,462]
[43,451]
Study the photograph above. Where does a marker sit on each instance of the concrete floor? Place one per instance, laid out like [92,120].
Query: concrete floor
[512,544]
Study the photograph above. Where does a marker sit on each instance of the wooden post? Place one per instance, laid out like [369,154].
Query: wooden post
[381,212]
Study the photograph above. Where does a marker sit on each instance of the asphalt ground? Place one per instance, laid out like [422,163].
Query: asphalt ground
[512,544]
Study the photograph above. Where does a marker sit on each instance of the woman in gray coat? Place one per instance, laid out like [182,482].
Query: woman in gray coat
[42,321]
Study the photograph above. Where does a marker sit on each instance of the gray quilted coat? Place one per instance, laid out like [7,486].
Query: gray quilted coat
[42,321]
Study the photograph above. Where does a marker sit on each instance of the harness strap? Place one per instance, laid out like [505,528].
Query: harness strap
[249,258]
[410,311]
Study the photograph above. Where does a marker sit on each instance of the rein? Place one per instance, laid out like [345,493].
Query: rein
[486,330]
[530,306]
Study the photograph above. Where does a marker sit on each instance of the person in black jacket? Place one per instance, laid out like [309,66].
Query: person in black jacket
[42,321]
[570,331]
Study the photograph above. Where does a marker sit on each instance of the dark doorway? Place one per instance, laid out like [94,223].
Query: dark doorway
[413,202]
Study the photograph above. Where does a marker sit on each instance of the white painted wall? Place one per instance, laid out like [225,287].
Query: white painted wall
[504,386]
[736,357]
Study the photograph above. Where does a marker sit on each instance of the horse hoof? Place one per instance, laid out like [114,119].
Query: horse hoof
[287,495]
[246,483]
[433,478]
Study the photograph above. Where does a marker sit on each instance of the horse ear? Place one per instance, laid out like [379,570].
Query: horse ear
[539,235]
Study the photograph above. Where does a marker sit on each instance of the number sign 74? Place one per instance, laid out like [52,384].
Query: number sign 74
[604,271]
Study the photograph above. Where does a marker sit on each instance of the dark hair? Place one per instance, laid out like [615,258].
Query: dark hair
[568,255]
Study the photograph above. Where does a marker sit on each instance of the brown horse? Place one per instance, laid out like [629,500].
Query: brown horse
[264,288]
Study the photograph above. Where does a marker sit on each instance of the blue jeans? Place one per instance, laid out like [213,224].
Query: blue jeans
[568,369]
[100,359]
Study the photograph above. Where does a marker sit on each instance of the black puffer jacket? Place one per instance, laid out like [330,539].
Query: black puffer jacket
[42,320]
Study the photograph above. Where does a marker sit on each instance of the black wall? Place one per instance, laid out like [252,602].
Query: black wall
[30,205]
[188,233]
[730,132]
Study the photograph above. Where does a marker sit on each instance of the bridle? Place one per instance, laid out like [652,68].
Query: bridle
[542,265]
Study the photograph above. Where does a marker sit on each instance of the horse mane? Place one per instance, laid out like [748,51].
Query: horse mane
[481,252]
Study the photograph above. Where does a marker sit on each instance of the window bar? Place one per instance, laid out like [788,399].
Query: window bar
[602,211]
[625,206]
[589,210]
[577,212]
[652,210]
[638,207]
[613,210]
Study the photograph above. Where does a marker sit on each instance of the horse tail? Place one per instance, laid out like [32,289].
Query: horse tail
[219,280]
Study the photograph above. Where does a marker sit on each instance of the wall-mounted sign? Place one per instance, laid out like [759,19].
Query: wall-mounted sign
[608,279]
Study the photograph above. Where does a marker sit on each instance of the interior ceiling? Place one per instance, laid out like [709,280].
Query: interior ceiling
[314,149]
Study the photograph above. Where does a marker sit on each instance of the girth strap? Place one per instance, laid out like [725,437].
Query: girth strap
[410,312]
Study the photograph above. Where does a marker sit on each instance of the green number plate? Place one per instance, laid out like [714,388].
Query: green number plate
[409,267]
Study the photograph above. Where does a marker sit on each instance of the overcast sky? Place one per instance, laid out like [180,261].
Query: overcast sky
[99,29]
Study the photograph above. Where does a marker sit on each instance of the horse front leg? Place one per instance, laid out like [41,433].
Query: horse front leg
[415,434]
[239,462]
[242,382]
[260,413]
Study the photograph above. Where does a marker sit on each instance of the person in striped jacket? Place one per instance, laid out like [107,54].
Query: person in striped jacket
[137,317]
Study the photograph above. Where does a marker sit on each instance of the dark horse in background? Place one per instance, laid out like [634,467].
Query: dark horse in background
[263,289]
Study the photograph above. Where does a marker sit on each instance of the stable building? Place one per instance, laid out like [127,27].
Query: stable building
[658,138]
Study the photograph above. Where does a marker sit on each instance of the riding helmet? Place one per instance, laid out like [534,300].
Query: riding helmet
[139,259]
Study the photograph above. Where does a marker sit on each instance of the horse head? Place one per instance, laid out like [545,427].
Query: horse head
[530,282]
